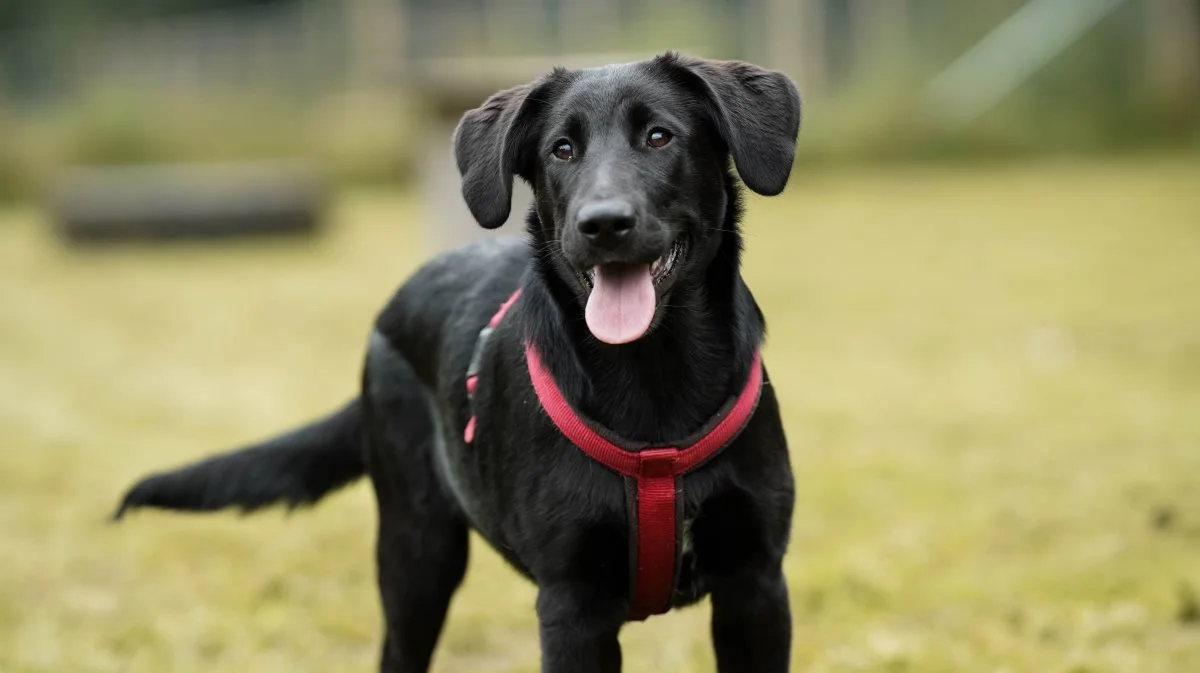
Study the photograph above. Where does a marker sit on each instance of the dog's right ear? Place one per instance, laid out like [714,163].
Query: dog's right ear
[492,144]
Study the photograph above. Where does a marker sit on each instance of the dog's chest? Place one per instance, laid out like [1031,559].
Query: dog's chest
[686,543]
[690,586]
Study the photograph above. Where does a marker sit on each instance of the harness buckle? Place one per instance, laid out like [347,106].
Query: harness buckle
[657,463]
[477,354]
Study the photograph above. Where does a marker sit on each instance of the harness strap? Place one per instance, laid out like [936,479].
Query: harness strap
[657,533]
[477,356]
[655,471]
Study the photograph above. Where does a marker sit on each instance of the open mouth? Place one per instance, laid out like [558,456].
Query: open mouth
[623,296]
[660,269]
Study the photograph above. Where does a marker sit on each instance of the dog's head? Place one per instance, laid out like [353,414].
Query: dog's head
[629,169]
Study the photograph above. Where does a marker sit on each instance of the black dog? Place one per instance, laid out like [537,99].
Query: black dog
[632,320]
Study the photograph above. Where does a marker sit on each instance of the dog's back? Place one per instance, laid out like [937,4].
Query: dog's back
[431,321]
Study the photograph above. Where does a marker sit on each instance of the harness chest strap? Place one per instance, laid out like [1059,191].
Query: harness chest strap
[655,473]
[476,357]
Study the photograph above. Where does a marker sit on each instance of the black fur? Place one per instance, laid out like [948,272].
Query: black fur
[557,516]
[297,468]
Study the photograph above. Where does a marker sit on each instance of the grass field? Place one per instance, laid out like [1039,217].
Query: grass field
[990,379]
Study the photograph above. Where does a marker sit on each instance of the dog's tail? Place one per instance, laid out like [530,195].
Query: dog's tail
[298,468]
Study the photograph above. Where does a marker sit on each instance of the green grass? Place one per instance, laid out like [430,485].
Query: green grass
[990,380]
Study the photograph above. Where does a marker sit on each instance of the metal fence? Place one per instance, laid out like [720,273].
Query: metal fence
[309,45]
[961,58]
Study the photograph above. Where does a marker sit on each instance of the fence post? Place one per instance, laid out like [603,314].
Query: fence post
[1173,60]
[880,32]
[375,40]
[792,44]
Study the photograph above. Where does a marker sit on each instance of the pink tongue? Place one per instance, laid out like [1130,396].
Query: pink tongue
[621,306]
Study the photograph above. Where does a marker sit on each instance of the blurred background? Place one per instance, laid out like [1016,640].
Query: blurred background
[358,85]
[981,289]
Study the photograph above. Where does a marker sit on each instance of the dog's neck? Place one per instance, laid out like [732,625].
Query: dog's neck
[670,382]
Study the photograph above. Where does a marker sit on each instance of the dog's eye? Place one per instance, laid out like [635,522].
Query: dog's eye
[563,150]
[658,138]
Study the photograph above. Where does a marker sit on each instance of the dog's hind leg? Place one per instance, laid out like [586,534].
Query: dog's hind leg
[422,546]
[422,557]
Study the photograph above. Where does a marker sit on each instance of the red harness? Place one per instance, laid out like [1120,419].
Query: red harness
[653,474]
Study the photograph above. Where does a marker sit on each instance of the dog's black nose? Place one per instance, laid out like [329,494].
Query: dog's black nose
[606,223]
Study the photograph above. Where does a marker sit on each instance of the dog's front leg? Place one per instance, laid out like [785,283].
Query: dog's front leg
[752,622]
[579,628]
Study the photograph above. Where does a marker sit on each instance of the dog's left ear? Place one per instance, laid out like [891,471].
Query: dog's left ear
[757,112]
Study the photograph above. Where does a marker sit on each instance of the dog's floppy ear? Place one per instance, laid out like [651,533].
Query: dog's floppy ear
[491,146]
[757,112]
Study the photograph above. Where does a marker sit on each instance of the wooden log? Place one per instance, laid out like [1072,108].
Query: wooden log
[93,204]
